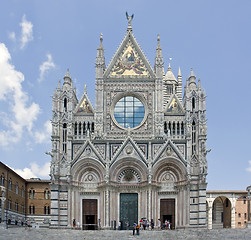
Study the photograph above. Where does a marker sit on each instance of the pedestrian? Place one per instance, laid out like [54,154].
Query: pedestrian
[137,229]
[74,223]
[26,224]
[119,225]
[134,228]
[147,224]
[152,224]
[159,224]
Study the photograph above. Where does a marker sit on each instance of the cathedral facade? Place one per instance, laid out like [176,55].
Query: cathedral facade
[139,153]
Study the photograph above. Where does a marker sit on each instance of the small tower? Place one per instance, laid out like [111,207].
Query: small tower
[100,68]
[194,103]
[159,69]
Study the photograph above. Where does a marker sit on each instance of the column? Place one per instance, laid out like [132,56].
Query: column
[233,216]
[210,216]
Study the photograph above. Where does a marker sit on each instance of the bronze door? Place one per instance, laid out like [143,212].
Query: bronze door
[128,209]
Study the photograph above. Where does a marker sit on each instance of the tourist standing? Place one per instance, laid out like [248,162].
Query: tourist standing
[74,223]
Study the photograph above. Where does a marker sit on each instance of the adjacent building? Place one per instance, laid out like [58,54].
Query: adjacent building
[23,199]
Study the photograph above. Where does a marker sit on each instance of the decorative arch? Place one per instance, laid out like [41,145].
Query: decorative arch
[126,166]
[169,167]
[87,169]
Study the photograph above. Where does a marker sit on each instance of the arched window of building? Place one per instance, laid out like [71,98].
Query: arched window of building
[93,127]
[46,210]
[10,184]
[9,204]
[165,127]
[32,209]
[76,129]
[169,127]
[31,193]
[84,128]
[79,129]
[178,128]
[22,191]
[46,193]
[193,137]
[193,103]
[2,179]
[65,104]
[173,128]
[16,187]
[16,206]
[64,137]
[182,128]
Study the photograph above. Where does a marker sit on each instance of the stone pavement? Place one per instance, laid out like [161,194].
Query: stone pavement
[68,234]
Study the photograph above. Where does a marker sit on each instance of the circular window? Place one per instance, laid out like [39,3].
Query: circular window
[129,111]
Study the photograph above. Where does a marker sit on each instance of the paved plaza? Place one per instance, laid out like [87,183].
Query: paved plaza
[64,234]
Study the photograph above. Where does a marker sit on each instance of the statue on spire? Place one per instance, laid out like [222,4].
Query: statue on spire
[129,18]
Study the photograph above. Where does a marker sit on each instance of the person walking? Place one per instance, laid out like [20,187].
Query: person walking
[152,224]
[159,224]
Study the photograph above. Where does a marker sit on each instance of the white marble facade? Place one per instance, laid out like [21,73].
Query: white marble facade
[144,136]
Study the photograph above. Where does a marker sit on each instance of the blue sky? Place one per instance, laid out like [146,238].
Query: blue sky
[39,40]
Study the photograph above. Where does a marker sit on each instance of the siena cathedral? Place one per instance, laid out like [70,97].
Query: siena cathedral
[139,153]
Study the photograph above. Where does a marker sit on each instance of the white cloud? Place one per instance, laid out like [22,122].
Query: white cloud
[26,32]
[45,67]
[12,36]
[249,168]
[34,171]
[43,135]
[21,116]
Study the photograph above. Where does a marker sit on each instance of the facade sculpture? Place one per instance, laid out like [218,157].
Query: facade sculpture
[141,152]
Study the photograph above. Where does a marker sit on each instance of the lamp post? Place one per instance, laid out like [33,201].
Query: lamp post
[3,198]
[249,198]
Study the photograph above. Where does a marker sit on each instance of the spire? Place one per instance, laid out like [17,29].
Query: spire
[100,59]
[192,77]
[179,88]
[85,90]
[199,83]
[158,66]
[67,81]
[59,84]
[179,73]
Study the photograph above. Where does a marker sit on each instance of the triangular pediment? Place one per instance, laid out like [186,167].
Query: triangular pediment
[169,150]
[129,61]
[128,149]
[84,106]
[174,107]
[88,150]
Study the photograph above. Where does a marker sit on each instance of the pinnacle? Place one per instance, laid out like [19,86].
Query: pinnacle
[179,73]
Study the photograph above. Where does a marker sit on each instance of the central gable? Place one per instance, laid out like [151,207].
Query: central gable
[129,60]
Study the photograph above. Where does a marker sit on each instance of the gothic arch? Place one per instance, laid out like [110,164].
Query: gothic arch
[169,165]
[138,168]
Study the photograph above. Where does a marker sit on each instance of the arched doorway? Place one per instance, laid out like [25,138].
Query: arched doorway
[221,213]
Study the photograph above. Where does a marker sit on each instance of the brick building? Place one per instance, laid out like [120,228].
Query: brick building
[24,199]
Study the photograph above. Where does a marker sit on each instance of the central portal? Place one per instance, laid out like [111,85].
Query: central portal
[128,209]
